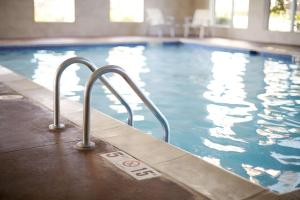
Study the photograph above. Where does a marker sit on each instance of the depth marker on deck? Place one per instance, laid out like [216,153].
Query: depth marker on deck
[130,165]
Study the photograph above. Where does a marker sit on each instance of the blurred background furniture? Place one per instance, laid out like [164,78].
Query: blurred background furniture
[201,19]
[159,23]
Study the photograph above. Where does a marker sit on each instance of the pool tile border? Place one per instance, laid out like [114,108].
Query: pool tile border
[220,43]
[181,166]
[245,46]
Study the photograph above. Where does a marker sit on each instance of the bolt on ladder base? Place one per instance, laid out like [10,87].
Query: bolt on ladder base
[54,127]
[80,146]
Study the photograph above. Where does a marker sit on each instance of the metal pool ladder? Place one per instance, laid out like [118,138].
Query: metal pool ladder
[56,105]
[86,144]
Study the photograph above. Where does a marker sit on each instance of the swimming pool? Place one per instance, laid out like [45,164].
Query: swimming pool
[236,109]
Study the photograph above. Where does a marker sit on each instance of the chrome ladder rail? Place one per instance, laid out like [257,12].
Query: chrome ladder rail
[56,106]
[86,144]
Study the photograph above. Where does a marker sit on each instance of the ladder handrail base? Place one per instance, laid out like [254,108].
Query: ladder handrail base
[54,127]
[82,147]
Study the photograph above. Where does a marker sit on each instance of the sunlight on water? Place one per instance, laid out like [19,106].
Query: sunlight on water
[258,171]
[287,181]
[292,143]
[135,63]
[226,91]
[220,147]
[286,159]
[45,71]
[275,123]
[212,160]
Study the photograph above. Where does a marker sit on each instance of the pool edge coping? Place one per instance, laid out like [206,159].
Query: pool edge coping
[264,48]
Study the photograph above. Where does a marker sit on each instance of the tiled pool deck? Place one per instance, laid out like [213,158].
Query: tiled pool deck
[41,163]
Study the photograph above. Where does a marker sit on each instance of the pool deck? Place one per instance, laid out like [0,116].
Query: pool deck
[45,165]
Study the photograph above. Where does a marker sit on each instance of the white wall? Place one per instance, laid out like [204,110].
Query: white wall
[17,21]
[92,20]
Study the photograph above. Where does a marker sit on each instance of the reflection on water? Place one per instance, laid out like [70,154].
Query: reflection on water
[292,143]
[212,160]
[130,58]
[287,181]
[134,62]
[228,97]
[277,121]
[286,159]
[273,113]
[258,171]
[46,64]
[220,147]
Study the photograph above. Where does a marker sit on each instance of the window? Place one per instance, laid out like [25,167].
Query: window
[54,11]
[231,13]
[284,15]
[126,10]
[297,18]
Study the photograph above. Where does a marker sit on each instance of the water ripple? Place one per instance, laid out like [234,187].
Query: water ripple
[221,147]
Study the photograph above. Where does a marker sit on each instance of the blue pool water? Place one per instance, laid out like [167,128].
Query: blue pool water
[237,110]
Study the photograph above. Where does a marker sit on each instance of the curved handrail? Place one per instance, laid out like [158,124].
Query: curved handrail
[86,144]
[56,107]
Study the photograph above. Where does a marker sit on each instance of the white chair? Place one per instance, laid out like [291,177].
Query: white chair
[156,20]
[200,20]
